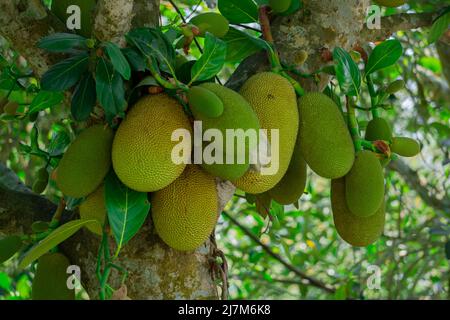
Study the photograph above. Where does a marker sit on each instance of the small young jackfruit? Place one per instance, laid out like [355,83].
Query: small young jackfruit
[273,99]
[395,86]
[390,3]
[50,279]
[185,212]
[325,141]
[280,6]
[205,103]
[9,246]
[211,22]
[405,147]
[378,129]
[292,186]
[142,147]
[355,230]
[237,115]
[60,9]
[86,162]
[94,208]
[364,185]
[41,181]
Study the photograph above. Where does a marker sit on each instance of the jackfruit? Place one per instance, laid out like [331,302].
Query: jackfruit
[86,162]
[355,230]
[395,86]
[274,100]
[9,246]
[142,147]
[211,22]
[41,181]
[87,7]
[405,147]
[292,186]
[50,279]
[185,212]
[94,208]
[325,141]
[11,108]
[378,129]
[237,115]
[280,6]
[205,103]
[390,3]
[364,185]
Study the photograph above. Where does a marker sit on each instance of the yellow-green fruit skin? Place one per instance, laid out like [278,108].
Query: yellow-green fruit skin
[273,99]
[378,129]
[9,246]
[364,185]
[205,103]
[50,279]
[355,230]
[94,208]
[325,141]
[405,147]
[87,7]
[292,186]
[211,22]
[280,6]
[390,3]
[86,162]
[237,114]
[185,212]
[142,147]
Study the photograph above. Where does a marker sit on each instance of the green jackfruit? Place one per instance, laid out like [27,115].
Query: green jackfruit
[185,212]
[205,103]
[50,279]
[390,3]
[292,186]
[355,230]
[9,246]
[87,7]
[41,181]
[378,129]
[395,86]
[86,162]
[364,185]
[211,22]
[94,208]
[142,147]
[237,115]
[405,147]
[280,6]
[325,141]
[274,100]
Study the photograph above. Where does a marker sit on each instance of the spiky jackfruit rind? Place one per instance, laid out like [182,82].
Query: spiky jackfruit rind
[405,147]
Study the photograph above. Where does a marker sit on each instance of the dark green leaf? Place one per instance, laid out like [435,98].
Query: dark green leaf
[239,11]
[135,59]
[118,60]
[439,27]
[240,45]
[59,142]
[65,74]
[84,98]
[384,55]
[347,72]
[62,42]
[127,209]
[212,60]
[44,100]
[9,246]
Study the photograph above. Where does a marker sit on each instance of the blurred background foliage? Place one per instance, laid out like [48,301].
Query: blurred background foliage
[410,258]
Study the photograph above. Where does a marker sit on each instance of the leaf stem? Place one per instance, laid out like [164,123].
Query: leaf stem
[353,124]
[373,97]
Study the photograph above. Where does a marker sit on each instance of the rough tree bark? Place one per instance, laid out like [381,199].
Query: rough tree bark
[156,271]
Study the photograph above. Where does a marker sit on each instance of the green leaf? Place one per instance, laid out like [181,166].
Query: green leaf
[65,74]
[62,42]
[127,209]
[53,239]
[84,98]
[9,246]
[44,100]
[118,60]
[240,45]
[110,89]
[5,281]
[135,59]
[439,27]
[59,142]
[347,72]
[239,11]
[212,60]
[384,55]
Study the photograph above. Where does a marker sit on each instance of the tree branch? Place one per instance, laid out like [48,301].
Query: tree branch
[113,20]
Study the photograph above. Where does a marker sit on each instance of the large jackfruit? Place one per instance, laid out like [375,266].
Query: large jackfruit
[185,212]
[292,186]
[378,129]
[364,185]
[274,100]
[325,141]
[86,162]
[50,279]
[87,7]
[355,230]
[405,147]
[142,147]
[94,208]
[390,3]
[237,114]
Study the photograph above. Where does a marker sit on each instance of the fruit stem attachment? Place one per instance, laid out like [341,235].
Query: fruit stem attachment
[353,124]
[163,82]
[373,97]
